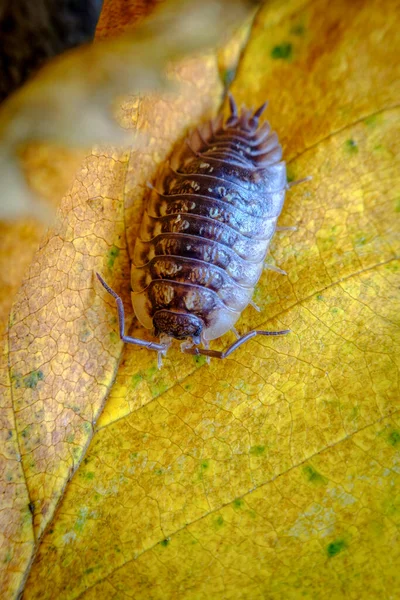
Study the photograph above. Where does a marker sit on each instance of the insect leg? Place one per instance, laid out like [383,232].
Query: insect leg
[269,267]
[206,345]
[121,322]
[255,306]
[216,354]
[292,183]
[292,228]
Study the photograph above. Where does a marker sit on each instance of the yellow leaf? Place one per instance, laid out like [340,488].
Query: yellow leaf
[274,473]
[55,368]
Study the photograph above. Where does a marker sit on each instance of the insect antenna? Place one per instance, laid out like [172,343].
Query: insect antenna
[292,183]
[217,354]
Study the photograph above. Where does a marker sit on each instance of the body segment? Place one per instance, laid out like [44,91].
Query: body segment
[207,226]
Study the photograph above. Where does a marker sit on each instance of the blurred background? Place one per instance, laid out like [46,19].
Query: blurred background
[33,32]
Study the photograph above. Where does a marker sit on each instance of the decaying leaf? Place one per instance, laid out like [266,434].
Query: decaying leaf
[273,473]
[45,431]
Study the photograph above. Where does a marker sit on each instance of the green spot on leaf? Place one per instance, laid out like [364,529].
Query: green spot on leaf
[113,253]
[200,360]
[335,547]
[165,542]
[257,450]
[81,520]
[90,475]
[85,335]
[393,267]
[361,240]
[16,379]
[313,475]
[114,337]
[203,468]
[158,387]
[397,205]
[394,438]
[298,29]
[136,379]
[87,427]
[354,413]
[351,146]
[238,503]
[289,175]
[391,506]
[31,380]
[228,76]
[282,51]
[219,521]
[371,120]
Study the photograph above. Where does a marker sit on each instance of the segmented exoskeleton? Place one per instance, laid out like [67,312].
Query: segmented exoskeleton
[205,233]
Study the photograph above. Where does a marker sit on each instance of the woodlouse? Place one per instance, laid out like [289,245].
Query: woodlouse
[205,233]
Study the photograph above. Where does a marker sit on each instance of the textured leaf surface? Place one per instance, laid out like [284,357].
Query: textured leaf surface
[273,473]
[56,366]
